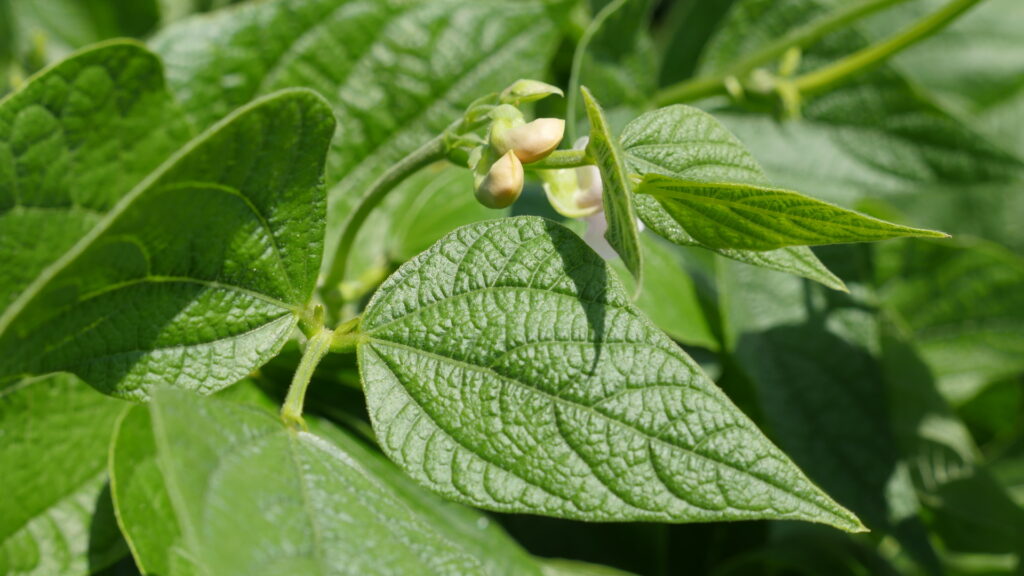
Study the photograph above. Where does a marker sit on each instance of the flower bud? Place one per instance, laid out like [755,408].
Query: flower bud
[503,183]
[532,141]
[528,91]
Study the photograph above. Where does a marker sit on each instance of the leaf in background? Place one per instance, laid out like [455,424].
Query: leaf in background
[980,73]
[617,197]
[55,514]
[204,486]
[396,73]
[686,143]
[668,296]
[73,142]
[744,216]
[60,27]
[615,58]
[968,510]
[560,567]
[810,356]
[873,136]
[199,274]
[963,304]
[505,368]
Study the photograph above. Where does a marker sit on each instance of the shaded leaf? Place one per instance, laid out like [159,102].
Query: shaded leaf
[199,274]
[55,515]
[617,196]
[963,305]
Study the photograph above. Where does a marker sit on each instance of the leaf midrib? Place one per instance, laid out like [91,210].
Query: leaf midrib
[556,400]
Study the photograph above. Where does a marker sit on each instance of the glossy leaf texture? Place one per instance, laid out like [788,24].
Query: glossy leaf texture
[623,234]
[874,135]
[73,141]
[506,368]
[210,487]
[963,305]
[748,217]
[685,143]
[395,72]
[199,274]
[55,514]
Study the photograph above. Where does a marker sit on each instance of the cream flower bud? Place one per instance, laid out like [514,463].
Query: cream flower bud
[532,141]
[503,183]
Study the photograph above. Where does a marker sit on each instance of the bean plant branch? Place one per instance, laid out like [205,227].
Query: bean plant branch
[430,152]
[806,35]
[829,76]
[316,348]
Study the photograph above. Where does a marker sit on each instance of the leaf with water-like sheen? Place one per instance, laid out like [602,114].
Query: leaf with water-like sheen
[202,486]
[506,368]
[686,143]
[198,275]
[875,134]
[748,217]
[963,303]
[623,233]
[74,141]
[55,513]
[395,72]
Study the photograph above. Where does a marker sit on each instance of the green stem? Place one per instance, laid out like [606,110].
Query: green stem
[824,78]
[563,159]
[431,152]
[316,348]
[577,63]
[800,37]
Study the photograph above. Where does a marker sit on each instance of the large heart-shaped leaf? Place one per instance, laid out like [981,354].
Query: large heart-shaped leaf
[506,368]
[55,515]
[209,487]
[688,144]
[395,72]
[73,142]
[199,274]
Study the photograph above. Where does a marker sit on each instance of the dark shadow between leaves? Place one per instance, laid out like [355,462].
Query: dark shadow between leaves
[591,283]
[106,545]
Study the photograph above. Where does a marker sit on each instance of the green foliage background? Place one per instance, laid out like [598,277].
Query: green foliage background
[891,374]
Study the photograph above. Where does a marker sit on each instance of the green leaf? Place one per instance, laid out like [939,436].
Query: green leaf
[968,510]
[506,368]
[668,295]
[560,567]
[743,216]
[199,274]
[617,197]
[396,73]
[55,514]
[980,65]
[963,304]
[688,144]
[202,486]
[873,136]
[61,26]
[809,355]
[73,142]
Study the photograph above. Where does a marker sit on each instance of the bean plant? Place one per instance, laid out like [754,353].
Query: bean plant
[532,287]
